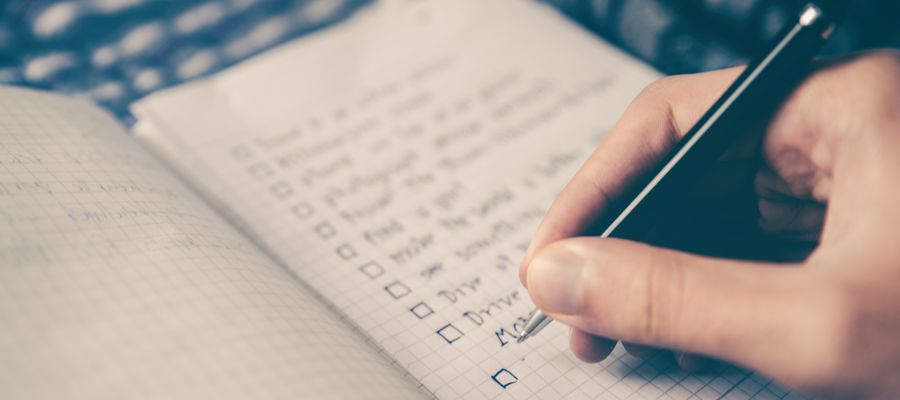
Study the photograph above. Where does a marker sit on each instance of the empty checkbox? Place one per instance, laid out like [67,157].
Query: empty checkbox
[421,310]
[372,269]
[302,210]
[325,230]
[504,378]
[450,333]
[397,289]
[281,189]
[346,251]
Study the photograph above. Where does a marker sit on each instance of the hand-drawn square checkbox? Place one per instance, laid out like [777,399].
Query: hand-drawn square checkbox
[450,333]
[325,230]
[372,269]
[346,251]
[302,210]
[504,378]
[281,189]
[260,171]
[397,289]
[421,310]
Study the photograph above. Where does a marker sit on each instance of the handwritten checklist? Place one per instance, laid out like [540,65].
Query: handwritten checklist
[405,190]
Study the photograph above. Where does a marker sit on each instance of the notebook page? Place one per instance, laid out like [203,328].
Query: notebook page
[399,164]
[116,282]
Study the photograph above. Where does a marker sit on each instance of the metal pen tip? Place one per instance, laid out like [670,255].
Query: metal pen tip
[522,336]
[536,321]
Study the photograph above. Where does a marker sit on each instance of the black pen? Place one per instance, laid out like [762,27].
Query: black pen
[752,98]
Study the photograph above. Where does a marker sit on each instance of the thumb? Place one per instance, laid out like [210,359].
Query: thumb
[664,298]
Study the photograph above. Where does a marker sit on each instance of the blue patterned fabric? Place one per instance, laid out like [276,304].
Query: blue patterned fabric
[116,51]
[686,36]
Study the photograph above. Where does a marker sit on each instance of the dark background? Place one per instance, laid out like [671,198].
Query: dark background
[116,51]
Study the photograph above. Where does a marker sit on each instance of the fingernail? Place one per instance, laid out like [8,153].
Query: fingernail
[553,280]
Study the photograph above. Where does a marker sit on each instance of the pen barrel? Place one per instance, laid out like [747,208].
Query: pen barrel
[744,109]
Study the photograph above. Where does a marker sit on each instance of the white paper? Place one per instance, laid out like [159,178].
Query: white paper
[399,164]
[116,282]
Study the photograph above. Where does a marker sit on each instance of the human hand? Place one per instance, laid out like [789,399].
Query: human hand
[823,190]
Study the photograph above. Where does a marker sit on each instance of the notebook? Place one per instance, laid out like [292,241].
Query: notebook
[340,217]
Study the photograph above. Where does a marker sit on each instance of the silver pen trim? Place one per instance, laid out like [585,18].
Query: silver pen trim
[536,321]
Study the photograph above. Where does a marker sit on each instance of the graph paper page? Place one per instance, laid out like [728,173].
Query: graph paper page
[399,164]
[116,282]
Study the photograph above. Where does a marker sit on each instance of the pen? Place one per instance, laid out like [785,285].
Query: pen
[746,104]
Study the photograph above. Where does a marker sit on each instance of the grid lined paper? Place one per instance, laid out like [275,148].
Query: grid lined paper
[402,173]
[117,282]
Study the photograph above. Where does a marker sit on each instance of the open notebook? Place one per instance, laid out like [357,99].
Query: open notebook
[341,217]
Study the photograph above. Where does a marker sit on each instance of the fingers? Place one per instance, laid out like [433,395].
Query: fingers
[639,351]
[649,127]
[663,298]
[783,215]
[834,139]
[693,363]
[590,348]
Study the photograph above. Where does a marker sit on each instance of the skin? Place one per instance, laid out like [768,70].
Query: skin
[813,301]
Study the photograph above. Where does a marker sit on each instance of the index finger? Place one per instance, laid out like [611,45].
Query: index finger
[650,126]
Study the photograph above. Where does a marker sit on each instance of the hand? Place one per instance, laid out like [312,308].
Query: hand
[823,190]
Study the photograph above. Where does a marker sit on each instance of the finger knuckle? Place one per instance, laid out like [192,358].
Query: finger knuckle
[649,324]
[657,99]
[877,73]
[887,60]
[857,97]
[657,291]
[660,86]
[658,91]
[593,282]
[884,84]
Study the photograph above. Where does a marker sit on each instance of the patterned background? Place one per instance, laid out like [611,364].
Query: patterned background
[116,51]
